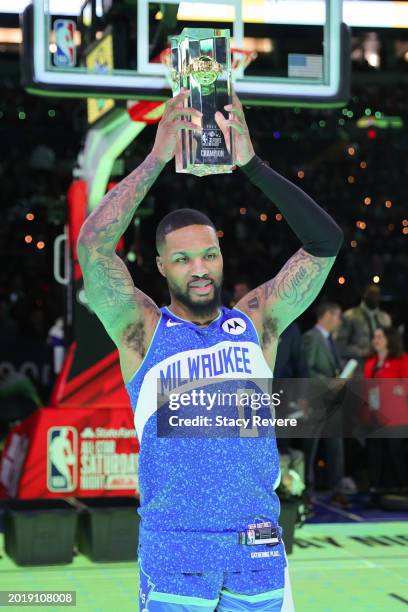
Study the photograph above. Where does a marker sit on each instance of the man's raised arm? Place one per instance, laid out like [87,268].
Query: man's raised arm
[108,284]
[276,303]
[283,298]
[123,309]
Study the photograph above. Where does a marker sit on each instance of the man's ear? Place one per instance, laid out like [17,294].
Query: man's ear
[160,266]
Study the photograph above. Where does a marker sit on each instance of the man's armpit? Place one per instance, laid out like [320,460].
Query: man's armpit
[269,331]
[134,338]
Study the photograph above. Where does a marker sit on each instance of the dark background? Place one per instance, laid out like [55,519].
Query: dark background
[342,164]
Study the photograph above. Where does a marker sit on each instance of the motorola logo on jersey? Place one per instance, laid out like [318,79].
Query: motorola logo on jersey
[234,326]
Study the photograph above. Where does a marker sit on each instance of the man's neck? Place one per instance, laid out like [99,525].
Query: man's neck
[323,327]
[364,305]
[181,311]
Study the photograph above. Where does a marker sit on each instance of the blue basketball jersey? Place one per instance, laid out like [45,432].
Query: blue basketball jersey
[197,494]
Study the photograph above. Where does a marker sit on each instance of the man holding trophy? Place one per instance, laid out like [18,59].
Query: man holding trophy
[209,535]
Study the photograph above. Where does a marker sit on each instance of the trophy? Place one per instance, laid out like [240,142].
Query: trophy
[201,62]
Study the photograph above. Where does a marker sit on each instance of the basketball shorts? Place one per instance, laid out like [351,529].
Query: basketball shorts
[247,590]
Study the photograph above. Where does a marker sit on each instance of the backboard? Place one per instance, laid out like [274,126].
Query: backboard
[112,48]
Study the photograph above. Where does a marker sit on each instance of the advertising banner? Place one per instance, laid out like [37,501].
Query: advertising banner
[71,452]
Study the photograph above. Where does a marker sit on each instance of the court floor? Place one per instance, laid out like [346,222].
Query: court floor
[335,567]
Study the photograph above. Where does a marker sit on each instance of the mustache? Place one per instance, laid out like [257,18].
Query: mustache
[199,280]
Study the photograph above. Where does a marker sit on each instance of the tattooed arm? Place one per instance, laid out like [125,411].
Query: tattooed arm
[276,303]
[121,307]
[128,315]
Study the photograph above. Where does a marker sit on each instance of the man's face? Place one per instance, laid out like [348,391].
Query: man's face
[334,319]
[192,263]
[372,297]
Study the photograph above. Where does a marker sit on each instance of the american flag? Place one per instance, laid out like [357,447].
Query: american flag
[306,66]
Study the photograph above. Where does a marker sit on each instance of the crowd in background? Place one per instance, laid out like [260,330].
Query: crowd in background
[357,175]
[372,416]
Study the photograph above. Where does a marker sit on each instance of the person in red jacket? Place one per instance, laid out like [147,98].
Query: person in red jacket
[388,361]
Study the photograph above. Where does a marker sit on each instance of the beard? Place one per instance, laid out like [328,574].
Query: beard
[204,308]
[372,304]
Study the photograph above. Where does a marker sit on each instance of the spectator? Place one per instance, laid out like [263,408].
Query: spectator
[241,288]
[55,338]
[290,358]
[387,361]
[18,399]
[357,330]
[291,363]
[324,364]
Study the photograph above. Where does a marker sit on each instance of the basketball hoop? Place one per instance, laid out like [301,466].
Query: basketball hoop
[241,58]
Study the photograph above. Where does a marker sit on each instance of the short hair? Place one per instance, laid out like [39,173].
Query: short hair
[326,307]
[182,217]
[370,287]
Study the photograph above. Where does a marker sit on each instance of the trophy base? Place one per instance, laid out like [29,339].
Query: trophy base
[205,170]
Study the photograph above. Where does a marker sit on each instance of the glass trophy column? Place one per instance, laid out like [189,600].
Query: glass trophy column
[201,62]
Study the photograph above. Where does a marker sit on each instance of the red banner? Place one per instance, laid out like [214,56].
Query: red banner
[71,452]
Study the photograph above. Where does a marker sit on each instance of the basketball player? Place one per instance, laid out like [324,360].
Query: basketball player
[203,500]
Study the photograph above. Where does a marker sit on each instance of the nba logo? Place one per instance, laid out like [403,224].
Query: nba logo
[62,452]
[65,54]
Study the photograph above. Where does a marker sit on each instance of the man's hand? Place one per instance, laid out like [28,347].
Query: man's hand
[244,150]
[171,123]
[304,406]
[336,384]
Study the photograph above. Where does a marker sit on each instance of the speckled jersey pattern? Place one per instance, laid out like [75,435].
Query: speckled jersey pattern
[197,494]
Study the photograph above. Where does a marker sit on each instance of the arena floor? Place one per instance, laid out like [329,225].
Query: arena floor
[355,566]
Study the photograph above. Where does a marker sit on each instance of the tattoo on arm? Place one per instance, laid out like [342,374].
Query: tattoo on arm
[109,288]
[114,298]
[253,303]
[292,290]
[108,282]
[296,282]
[106,224]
